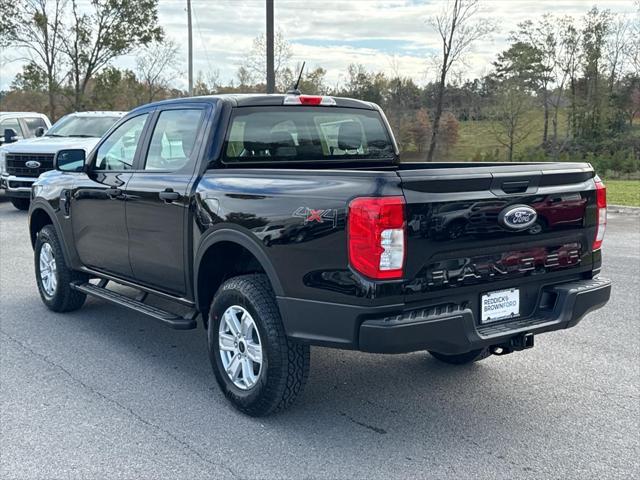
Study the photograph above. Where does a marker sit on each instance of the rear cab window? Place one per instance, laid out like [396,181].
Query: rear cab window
[33,123]
[293,134]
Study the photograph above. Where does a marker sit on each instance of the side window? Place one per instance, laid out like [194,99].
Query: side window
[11,123]
[119,150]
[33,124]
[174,139]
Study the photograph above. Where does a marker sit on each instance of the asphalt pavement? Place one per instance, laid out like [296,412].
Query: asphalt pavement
[107,393]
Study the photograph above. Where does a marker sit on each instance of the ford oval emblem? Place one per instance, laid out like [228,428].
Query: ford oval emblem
[517,217]
[32,164]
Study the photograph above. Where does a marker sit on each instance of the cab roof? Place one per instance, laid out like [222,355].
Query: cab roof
[104,113]
[22,114]
[256,100]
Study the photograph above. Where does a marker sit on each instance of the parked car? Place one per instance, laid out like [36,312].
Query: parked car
[22,162]
[15,126]
[177,200]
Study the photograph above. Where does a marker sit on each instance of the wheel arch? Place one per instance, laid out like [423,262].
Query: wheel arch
[41,215]
[38,219]
[225,253]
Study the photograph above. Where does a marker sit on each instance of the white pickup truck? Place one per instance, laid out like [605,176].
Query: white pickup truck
[21,125]
[22,162]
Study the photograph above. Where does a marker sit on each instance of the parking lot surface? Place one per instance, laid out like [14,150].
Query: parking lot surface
[107,393]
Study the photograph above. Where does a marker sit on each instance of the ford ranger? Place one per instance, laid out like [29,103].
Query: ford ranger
[22,162]
[284,221]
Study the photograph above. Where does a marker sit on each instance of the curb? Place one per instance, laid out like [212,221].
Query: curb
[623,209]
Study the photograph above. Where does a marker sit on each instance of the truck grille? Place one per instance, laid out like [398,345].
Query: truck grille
[16,164]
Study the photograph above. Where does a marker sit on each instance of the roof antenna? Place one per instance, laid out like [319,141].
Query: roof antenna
[294,90]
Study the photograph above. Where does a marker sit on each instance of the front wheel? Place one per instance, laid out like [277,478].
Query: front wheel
[53,276]
[462,358]
[20,203]
[257,367]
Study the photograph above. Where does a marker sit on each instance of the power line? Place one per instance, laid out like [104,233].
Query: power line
[190,48]
[204,45]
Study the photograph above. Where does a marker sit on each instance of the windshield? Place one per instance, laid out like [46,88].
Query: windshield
[294,133]
[81,126]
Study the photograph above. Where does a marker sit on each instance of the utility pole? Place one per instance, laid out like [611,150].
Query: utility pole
[271,75]
[190,48]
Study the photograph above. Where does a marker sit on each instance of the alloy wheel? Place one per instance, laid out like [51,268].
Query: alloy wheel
[48,269]
[240,347]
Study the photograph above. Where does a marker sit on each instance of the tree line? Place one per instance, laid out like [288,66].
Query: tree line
[565,88]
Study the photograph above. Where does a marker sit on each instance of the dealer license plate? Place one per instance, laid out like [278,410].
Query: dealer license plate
[499,305]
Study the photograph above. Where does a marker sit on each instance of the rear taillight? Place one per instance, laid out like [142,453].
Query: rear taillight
[601,203]
[309,100]
[376,236]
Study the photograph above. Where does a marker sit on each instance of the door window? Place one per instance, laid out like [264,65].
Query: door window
[174,139]
[11,123]
[119,150]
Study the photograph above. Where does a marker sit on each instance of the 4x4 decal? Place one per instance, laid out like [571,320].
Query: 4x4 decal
[311,215]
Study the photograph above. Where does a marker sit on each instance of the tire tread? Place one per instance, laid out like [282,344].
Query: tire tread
[65,299]
[290,361]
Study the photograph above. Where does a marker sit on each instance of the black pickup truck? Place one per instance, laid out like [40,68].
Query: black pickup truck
[284,221]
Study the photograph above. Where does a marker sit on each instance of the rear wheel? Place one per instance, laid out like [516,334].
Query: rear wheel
[53,276]
[257,367]
[462,358]
[20,203]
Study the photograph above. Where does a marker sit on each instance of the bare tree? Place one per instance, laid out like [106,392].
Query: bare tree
[255,64]
[567,56]
[458,29]
[632,48]
[157,66]
[394,66]
[510,123]
[208,84]
[36,26]
[570,63]
[245,78]
[616,46]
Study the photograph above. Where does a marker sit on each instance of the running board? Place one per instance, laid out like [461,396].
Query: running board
[170,319]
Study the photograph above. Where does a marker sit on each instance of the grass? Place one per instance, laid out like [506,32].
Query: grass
[623,192]
[479,137]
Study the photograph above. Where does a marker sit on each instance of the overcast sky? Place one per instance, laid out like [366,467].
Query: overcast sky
[383,35]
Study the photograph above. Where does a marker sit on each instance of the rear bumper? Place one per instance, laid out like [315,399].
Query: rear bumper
[445,328]
[18,187]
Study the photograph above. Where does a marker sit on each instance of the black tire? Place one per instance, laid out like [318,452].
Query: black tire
[462,358]
[63,298]
[285,363]
[21,203]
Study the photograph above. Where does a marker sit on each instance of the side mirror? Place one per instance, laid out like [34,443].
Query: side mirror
[71,160]
[10,135]
[40,131]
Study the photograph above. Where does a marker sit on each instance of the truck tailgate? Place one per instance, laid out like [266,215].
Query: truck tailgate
[477,228]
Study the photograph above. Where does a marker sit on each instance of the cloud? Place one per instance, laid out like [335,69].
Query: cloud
[335,33]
